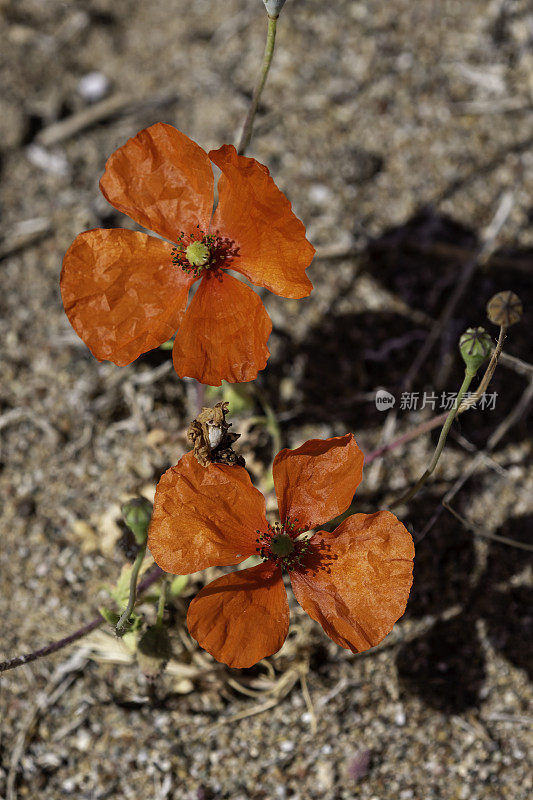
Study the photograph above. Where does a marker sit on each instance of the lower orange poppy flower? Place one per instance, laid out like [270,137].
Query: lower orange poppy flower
[126,292]
[354,581]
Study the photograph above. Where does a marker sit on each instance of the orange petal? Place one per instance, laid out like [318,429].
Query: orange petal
[162,180]
[121,292]
[356,582]
[317,481]
[224,333]
[242,617]
[272,249]
[204,517]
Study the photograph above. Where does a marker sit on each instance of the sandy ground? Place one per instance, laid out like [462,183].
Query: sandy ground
[397,130]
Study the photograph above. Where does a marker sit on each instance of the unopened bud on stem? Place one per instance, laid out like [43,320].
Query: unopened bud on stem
[475,345]
[137,514]
[273,7]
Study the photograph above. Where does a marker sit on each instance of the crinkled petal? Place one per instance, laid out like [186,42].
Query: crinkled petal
[317,481]
[204,517]
[355,581]
[272,249]
[224,333]
[161,179]
[242,617]
[121,292]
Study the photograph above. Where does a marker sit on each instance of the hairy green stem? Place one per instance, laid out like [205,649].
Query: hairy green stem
[123,621]
[247,129]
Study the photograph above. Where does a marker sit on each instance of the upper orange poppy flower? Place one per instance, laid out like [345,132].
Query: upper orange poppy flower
[355,581]
[125,292]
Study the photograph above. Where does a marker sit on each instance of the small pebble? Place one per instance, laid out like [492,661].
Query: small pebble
[93,86]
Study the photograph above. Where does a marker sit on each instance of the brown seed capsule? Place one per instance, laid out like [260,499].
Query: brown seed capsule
[504,309]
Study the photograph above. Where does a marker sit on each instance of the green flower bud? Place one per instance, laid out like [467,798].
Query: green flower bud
[273,7]
[137,514]
[475,346]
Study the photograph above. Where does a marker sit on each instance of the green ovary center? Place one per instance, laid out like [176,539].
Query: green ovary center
[197,254]
[282,545]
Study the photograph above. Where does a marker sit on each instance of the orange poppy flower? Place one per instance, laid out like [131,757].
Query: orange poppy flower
[126,292]
[354,581]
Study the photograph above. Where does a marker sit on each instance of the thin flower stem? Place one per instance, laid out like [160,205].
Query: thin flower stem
[200,398]
[489,372]
[449,419]
[247,129]
[123,621]
[442,441]
[19,661]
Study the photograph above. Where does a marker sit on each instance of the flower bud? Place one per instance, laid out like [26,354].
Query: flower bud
[504,309]
[137,514]
[475,346]
[273,7]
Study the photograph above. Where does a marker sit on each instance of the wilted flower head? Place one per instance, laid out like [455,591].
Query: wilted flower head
[354,581]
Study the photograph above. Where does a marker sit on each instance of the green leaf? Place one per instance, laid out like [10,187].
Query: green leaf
[121,592]
[109,616]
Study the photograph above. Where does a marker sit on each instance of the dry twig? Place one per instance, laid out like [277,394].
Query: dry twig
[99,112]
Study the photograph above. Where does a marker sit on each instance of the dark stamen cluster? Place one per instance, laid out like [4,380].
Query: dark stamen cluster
[280,544]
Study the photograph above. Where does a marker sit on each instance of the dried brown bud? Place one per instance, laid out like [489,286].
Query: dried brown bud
[211,439]
[504,309]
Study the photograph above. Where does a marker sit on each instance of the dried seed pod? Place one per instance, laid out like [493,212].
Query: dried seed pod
[504,309]
[211,439]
